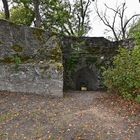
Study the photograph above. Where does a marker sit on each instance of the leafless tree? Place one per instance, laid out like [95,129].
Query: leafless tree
[120,32]
[6,9]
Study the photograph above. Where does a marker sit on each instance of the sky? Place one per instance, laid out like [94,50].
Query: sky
[98,28]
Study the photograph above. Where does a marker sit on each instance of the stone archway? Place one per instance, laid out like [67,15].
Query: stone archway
[85,77]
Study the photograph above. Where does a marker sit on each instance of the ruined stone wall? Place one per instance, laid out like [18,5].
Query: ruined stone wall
[35,61]
[30,60]
[87,56]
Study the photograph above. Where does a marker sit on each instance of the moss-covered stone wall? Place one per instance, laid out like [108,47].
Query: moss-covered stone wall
[36,61]
[88,54]
[30,60]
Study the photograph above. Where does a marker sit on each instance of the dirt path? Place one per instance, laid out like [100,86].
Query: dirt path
[77,116]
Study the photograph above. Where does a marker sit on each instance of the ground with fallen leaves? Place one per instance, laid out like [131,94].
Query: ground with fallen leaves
[77,116]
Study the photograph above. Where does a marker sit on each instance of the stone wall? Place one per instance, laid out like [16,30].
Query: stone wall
[84,59]
[30,60]
[35,61]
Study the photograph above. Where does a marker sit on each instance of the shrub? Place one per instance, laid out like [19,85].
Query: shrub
[137,99]
[124,76]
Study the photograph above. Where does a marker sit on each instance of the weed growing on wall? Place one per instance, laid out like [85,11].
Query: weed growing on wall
[17,61]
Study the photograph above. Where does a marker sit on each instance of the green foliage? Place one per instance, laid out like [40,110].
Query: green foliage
[66,18]
[22,15]
[137,99]
[59,16]
[134,32]
[2,16]
[124,76]
[75,55]
[71,63]
[26,3]
[17,61]
[55,15]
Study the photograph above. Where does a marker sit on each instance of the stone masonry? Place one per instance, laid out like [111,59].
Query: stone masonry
[35,61]
[30,60]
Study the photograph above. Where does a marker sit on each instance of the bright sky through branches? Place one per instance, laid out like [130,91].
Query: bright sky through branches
[98,28]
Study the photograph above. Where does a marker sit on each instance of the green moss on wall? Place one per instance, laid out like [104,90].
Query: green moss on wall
[1,42]
[72,63]
[17,48]
[39,34]
[25,59]
[56,54]
[59,66]
[11,59]
[93,50]
[7,60]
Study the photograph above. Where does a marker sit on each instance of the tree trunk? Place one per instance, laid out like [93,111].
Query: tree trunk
[6,9]
[37,14]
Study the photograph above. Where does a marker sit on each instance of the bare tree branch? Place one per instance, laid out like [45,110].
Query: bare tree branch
[118,13]
[106,21]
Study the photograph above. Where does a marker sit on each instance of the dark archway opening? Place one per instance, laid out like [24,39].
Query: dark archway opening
[86,79]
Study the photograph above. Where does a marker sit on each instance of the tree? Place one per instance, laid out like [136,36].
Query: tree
[120,32]
[81,9]
[32,5]
[26,3]
[60,16]
[25,17]
[134,31]
[20,14]
[124,77]
[66,18]
[37,13]
[6,9]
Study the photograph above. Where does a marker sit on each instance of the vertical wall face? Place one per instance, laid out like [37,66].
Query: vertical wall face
[84,58]
[85,77]
[30,60]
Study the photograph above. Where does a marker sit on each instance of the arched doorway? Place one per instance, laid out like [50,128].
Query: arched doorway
[86,78]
